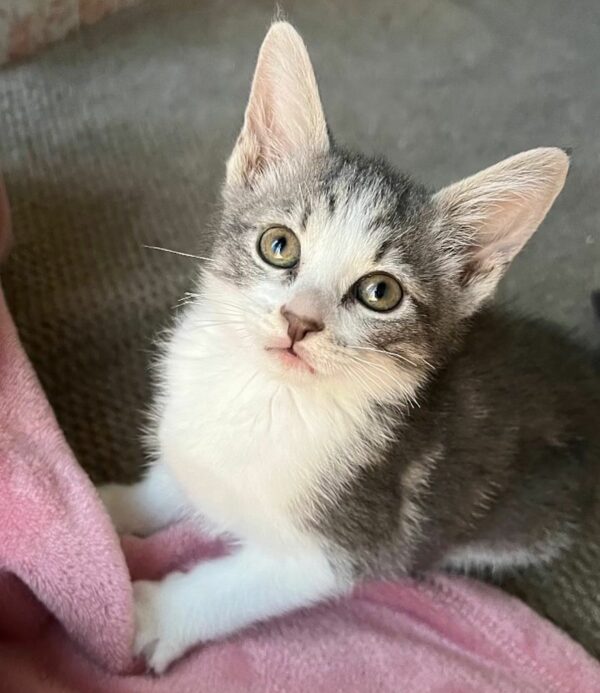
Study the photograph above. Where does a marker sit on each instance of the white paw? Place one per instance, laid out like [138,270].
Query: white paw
[160,621]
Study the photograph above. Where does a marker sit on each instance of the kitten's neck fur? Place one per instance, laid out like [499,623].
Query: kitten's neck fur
[272,444]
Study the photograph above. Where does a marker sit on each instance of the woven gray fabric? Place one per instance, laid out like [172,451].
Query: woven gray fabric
[117,137]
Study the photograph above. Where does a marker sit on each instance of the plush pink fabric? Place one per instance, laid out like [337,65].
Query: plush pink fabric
[66,611]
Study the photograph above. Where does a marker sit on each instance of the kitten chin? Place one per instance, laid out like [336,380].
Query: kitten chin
[339,398]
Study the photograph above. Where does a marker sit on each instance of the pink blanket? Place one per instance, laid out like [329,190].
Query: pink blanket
[66,610]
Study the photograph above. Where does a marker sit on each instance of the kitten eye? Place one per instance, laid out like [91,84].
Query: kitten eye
[279,247]
[379,292]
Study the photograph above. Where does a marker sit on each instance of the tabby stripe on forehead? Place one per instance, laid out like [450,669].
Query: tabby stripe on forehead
[305,214]
[383,248]
[378,221]
[332,203]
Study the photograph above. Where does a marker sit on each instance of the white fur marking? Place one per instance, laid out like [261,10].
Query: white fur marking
[220,597]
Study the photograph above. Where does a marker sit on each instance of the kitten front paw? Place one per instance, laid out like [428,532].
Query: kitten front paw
[160,618]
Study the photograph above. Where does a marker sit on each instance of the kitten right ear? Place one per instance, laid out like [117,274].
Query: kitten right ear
[284,117]
[496,211]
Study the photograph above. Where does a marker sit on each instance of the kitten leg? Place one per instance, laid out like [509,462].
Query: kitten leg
[222,596]
[146,506]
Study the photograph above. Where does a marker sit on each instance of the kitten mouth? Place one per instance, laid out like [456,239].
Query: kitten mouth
[291,358]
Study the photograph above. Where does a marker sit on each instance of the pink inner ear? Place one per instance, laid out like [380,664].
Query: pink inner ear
[5,231]
[284,117]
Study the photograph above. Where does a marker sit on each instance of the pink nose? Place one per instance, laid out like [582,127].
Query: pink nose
[299,326]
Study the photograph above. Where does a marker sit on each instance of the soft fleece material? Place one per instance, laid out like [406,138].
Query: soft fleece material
[66,621]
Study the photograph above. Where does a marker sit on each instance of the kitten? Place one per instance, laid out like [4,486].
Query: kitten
[337,399]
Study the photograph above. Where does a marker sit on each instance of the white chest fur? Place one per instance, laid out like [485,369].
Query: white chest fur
[248,450]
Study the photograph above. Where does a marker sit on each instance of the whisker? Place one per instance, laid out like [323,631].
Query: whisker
[213,323]
[177,252]
[387,353]
[226,307]
[400,357]
[236,306]
[381,378]
[240,307]
[370,364]
[370,387]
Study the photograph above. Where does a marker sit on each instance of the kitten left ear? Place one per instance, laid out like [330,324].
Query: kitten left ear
[284,117]
[496,211]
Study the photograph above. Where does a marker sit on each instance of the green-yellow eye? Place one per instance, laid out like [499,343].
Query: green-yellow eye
[379,292]
[279,247]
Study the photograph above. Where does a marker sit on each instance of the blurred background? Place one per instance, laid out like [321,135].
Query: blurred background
[116,137]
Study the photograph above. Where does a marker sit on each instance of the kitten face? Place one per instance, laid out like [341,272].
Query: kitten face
[363,277]
[352,218]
